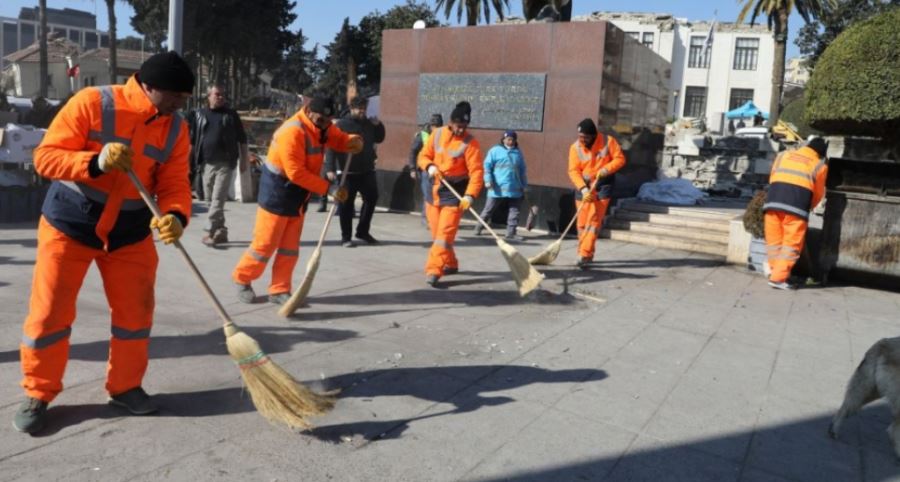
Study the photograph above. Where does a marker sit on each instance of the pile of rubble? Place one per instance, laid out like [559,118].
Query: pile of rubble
[721,165]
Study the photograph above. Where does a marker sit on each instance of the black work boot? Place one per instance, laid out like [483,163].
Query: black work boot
[31,415]
[135,401]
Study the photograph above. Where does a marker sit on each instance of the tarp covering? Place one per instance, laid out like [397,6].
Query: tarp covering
[747,110]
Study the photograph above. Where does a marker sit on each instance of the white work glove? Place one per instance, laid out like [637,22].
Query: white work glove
[465,202]
[115,155]
[434,172]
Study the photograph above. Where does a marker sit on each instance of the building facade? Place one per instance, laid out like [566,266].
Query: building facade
[21,75]
[715,66]
[76,26]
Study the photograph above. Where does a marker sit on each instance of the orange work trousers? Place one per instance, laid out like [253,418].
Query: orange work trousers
[590,221]
[272,234]
[444,223]
[784,242]
[129,275]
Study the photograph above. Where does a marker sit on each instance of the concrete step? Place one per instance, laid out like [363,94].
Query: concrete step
[701,224]
[668,230]
[700,212]
[667,242]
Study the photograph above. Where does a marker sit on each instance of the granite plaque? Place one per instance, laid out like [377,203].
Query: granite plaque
[499,101]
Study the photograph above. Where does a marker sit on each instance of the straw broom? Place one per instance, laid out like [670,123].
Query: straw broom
[275,393]
[527,278]
[549,254]
[299,297]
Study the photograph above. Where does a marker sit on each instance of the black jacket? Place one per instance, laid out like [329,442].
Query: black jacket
[231,133]
[365,160]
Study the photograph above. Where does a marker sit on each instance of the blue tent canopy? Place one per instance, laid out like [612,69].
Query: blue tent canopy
[747,110]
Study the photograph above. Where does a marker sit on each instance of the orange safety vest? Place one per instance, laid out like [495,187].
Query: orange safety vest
[106,211]
[458,159]
[584,164]
[796,183]
[294,162]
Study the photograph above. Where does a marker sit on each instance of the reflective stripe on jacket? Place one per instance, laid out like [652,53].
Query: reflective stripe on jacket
[459,160]
[294,161]
[76,201]
[585,164]
[797,182]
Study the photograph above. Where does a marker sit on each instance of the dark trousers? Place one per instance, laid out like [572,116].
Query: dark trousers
[512,221]
[366,185]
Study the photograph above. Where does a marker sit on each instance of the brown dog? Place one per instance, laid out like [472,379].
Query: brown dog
[878,375]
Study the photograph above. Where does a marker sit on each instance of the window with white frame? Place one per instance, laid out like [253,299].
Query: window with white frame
[634,35]
[694,101]
[697,55]
[647,39]
[746,53]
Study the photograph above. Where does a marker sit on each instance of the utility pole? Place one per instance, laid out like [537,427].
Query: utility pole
[176,14]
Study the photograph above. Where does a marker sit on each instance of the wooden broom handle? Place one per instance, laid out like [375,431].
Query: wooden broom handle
[471,210]
[334,204]
[148,199]
[578,211]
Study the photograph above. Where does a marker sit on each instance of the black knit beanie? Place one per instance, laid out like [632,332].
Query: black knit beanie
[167,71]
[587,127]
[322,105]
[819,145]
[461,113]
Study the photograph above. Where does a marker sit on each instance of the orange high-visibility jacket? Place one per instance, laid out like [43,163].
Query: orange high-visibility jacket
[584,164]
[294,162]
[81,194]
[458,159]
[796,183]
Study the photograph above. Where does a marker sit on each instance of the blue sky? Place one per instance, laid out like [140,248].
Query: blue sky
[321,19]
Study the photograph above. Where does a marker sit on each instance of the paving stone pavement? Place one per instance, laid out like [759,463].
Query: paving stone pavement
[652,365]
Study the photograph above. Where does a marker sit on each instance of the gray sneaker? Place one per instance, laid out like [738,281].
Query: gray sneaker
[782,285]
[431,280]
[280,298]
[31,415]
[135,401]
[347,243]
[245,293]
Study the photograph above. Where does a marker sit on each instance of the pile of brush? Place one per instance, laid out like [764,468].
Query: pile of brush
[754,218]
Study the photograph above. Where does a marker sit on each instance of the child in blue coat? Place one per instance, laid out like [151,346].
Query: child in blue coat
[505,181]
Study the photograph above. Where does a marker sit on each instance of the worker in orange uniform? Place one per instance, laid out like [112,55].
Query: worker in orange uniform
[289,176]
[453,154]
[796,185]
[593,156]
[93,213]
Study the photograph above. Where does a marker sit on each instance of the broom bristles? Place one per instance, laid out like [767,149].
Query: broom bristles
[547,256]
[299,297]
[276,394]
[526,277]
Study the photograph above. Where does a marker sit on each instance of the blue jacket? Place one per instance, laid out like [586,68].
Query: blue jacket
[504,170]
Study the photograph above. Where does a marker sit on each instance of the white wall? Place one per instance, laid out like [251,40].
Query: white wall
[720,78]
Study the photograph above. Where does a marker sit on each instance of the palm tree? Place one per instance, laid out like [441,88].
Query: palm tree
[777,13]
[113,67]
[473,8]
[42,84]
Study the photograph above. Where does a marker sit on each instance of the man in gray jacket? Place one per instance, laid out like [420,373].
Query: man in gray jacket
[361,174]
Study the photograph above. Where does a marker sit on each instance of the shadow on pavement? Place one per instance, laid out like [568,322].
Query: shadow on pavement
[799,450]
[206,403]
[428,296]
[440,385]
[272,340]
[27,242]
